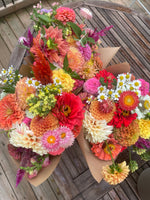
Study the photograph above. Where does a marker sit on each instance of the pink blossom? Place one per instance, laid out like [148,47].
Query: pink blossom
[77,84]
[27,121]
[91,85]
[46,162]
[86,13]
[144,87]
[58,152]
[32,174]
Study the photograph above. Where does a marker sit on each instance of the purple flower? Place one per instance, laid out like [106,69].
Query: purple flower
[142,143]
[86,52]
[27,41]
[46,10]
[95,35]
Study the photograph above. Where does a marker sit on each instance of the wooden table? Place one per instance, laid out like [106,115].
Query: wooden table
[72,178]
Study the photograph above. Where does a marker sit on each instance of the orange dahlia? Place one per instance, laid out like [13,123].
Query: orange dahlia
[127,136]
[102,152]
[40,125]
[88,70]
[52,54]
[75,59]
[23,91]
[102,110]
[114,176]
[10,112]
[128,100]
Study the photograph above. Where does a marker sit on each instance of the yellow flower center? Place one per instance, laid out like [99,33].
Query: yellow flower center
[87,70]
[101,89]
[63,135]
[51,139]
[30,82]
[37,83]
[136,84]
[110,92]
[111,147]
[146,104]
[128,100]
[127,76]
[66,110]
[102,97]
[121,83]
[9,111]
[131,88]
[121,77]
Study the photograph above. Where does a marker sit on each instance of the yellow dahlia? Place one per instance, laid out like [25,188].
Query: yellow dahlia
[127,136]
[39,125]
[66,81]
[23,91]
[22,136]
[75,59]
[99,111]
[144,125]
[96,130]
[114,177]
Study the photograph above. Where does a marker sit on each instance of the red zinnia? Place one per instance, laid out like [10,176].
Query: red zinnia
[108,77]
[69,110]
[10,112]
[122,117]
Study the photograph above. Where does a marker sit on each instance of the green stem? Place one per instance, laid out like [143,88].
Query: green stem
[110,153]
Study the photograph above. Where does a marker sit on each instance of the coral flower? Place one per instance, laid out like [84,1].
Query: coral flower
[66,136]
[10,112]
[122,117]
[103,110]
[91,86]
[51,141]
[65,15]
[127,136]
[39,125]
[128,100]
[88,70]
[144,126]
[57,152]
[114,177]
[23,91]
[75,59]
[69,110]
[102,152]
[52,54]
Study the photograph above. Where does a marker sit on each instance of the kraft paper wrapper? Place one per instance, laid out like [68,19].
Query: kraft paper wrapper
[95,164]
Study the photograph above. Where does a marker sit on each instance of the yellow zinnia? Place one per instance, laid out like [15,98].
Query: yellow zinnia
[144,125]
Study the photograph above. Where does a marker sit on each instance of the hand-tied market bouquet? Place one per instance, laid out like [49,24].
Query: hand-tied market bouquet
[40,111]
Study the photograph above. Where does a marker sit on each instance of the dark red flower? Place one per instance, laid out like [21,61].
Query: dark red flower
[69,110]
[122,117]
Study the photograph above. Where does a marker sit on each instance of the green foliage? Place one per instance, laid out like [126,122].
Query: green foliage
[133,165]
[102,82]
[146,156]
[76,29]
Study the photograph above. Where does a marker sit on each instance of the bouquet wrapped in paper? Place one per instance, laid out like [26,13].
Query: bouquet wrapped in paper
[38,108]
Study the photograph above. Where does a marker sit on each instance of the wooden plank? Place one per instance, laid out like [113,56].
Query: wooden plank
[106,197]
[121,194]
[4,52]
[7,34]
[6,191]
[15,25]
[24,17]
[113,195]
[14,7]
[78,197]
[24,190]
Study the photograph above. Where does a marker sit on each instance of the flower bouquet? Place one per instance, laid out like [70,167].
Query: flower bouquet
[117,116]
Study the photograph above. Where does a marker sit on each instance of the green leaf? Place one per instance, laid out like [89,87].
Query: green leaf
[114,82]
[44,18]
[65,63]
[52,66]
[75,75]
[91,40]
[76,29]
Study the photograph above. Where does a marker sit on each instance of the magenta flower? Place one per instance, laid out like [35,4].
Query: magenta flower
[91,86]
[86,52]
[144,87]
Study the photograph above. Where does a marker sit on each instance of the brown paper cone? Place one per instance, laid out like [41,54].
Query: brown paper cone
[25,68]
[119,68]
[95,164]
[106,54]
[45,172]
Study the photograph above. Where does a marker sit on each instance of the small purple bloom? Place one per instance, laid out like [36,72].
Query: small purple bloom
[27,41]
[46,10]
[142,143]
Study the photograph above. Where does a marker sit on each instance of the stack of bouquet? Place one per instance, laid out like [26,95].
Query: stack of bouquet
[39,111]
[117,116]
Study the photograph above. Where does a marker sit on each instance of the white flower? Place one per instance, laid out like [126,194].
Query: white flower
[30,82]
[29,114]
[36,84]
[86,13]
[102,89]
[2,95]
[140,115]
[96,130]
[4,71]
[121,77]
[57,81]
[138,93]
[101,97]
[115,96]
[20,76]
[88,101]
[5,81]
[128,77]
[22,136]
[120,84]
[136,84]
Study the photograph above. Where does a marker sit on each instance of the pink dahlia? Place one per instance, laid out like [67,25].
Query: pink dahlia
[66,136]
[144,87]
[10,112]
[91,85]
[51,141]
[69,110]
[65,15]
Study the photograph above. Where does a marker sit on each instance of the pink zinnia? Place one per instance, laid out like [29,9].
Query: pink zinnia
[27,121]
[65,15]
[51,141]
[58,152]
[144,87]
[91,85]
[66,136]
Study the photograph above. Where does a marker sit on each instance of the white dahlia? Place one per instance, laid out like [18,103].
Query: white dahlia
[22,136]
[96,130]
